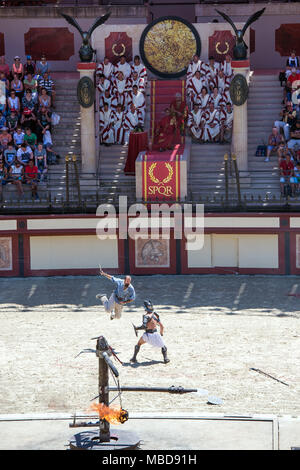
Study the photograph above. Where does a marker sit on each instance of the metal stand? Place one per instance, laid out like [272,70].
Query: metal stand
[103,438]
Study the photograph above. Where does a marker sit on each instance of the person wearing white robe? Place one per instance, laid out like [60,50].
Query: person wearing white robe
[109,99]
[131,121]
[194,88]
[107,134]
[211,126]
[196,65]
[226,67]
[118,122]
[211,72]
[195,123]
[138,99]
[105,68]
[103,84]
[135,80]
[216,98]
[138,67]
[226,122]
[120,90]
[203,98]
[124,67]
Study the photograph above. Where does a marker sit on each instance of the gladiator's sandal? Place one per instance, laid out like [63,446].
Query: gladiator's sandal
[136,350]
[164,353]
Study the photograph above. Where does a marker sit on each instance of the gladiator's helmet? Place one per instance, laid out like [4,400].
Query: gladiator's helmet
[148,306]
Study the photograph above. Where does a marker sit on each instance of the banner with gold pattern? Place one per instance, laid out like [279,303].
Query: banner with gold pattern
[161,179]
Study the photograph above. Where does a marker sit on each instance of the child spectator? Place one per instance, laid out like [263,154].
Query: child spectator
[30,138]
[12,122]
[18,137]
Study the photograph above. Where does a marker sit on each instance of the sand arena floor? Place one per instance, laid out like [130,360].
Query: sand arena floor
[216,329]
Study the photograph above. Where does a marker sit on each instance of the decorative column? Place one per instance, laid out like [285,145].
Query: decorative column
[86,98]
[239,94]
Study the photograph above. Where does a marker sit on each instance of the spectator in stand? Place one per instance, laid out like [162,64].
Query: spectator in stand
[24,154]
[28,119]
[288,118]
[40,157]
[3,178]
[30,138]
[46,82]
[4,67]
[44,99]
[286,174]
[13,104]
[294,142]
[17,67]
[292,63]
[18,137]
[16,85]
[28,101]
[275,141]
[297,177]
[6,82]
[31,178]
[5,138]
[10,155]
[42,67]
[52,156]
[43,122]
[30,83]
[29,66]
[12,122]
[2,121]
[15,176]
[289,88]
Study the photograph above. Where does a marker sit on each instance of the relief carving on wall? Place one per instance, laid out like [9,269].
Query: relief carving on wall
[152,253]
[5,254]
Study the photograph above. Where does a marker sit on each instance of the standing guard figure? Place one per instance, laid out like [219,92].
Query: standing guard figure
[151,336]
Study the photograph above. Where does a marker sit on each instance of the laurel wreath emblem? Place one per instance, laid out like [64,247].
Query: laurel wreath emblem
[166,179]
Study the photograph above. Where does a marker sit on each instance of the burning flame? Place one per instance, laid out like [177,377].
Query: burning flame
[112,415]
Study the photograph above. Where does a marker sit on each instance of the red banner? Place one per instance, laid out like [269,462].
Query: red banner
[161,179]
[220,44]
[116,45]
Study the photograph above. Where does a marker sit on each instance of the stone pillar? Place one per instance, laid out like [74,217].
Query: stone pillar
[239,145]
[87,124]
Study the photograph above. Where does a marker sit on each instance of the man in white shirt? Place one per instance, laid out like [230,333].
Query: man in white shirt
[131,121]
[107,134]
[118,121]
[124,67]
[105,68]
[195,123]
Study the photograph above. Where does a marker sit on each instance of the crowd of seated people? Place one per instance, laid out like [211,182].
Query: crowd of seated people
[122,102]
[210,117]
[27,99]
[284,139]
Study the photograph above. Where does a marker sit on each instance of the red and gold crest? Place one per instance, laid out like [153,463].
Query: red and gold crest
[161,180]
[220,44]
[116,45]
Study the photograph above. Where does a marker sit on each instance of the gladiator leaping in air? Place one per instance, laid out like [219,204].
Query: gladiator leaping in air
[151,336]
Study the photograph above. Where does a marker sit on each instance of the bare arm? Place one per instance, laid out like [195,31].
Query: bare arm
[102,273]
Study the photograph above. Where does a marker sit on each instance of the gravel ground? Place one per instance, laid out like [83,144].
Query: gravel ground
[216,329]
